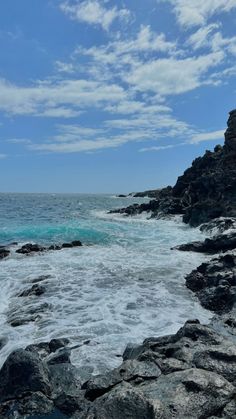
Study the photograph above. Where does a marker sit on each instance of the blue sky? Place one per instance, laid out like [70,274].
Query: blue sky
[111,96]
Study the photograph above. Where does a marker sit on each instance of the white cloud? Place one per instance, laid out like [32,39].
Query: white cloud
[169,76]
[3,156]
[64,67]
[18,141]
[200,38]
[197,12]
[57,99]
[94,12]
[207,136]
[157,148]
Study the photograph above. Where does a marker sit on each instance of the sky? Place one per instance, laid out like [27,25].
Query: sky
[104,96]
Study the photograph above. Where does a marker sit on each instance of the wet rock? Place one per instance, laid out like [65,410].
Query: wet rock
[64,378]
[220,243]
[36,290]
[220,225]
[4,253]
[30,248]
[75,243]
[34,404]
[122,402]
[16,322]
[70,404]
[214,283]
[46,348]
[40,278]
[23,372]
[35,248]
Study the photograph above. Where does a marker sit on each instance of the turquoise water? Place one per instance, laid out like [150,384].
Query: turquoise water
[123,285]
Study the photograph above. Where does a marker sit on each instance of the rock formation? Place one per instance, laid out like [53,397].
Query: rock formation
[206,190]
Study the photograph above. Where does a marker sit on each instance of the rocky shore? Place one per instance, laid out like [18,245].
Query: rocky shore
[204,192]
[191,374]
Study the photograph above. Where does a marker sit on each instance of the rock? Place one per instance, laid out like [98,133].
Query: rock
[75,243]
[34,404]
[121,196]
[230,134]
[64,378]
[36,290]
[40,279]
[219,225]
[70,404]
[214,283]
[4,253]
[189,374]
[34,248]
[23,372]
[205,191]
[220,243]
[30,248]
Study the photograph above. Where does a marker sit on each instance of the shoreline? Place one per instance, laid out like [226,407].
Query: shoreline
[189,374]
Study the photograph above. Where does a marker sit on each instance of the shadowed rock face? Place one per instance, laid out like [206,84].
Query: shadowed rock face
[205,191]
[230,134]
[214,283]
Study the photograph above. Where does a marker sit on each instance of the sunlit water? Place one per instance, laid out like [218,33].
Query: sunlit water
[123,285]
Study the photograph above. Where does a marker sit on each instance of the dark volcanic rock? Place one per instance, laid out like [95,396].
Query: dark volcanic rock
[191,374]
[200,384]
[30,248]
[34,248]
[206,190]
[4,253]
[215,283]
[220,225]
[23,372]
[220,243]
[34,290]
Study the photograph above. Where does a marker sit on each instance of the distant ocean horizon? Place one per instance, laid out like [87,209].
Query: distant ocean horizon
[122,285]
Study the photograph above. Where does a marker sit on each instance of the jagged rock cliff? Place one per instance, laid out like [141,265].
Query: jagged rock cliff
[206,190]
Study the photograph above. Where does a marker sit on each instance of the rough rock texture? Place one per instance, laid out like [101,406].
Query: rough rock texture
[219,225]
[214,283]
[220,243]
[191,374]
[31,384]
[205,191]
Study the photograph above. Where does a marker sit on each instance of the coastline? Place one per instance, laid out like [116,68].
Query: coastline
[189,374]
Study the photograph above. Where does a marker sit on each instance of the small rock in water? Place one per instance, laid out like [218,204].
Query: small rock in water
[36,290]
[4,253]
[30,248]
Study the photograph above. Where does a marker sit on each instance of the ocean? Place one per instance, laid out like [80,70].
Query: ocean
[123,285]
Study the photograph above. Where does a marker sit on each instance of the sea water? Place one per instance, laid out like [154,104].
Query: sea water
[123,285]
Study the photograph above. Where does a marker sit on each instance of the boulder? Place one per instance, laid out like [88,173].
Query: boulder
[214,283]
[4,253]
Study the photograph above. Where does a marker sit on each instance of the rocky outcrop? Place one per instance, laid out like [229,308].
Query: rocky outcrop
[4,253]
[28,248]
[214,283]
[38,380]
[206,190]
[191,374]
[220,243]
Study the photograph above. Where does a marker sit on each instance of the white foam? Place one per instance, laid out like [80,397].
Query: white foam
[114,293]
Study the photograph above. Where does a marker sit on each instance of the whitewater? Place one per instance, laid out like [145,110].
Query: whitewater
[123,285]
